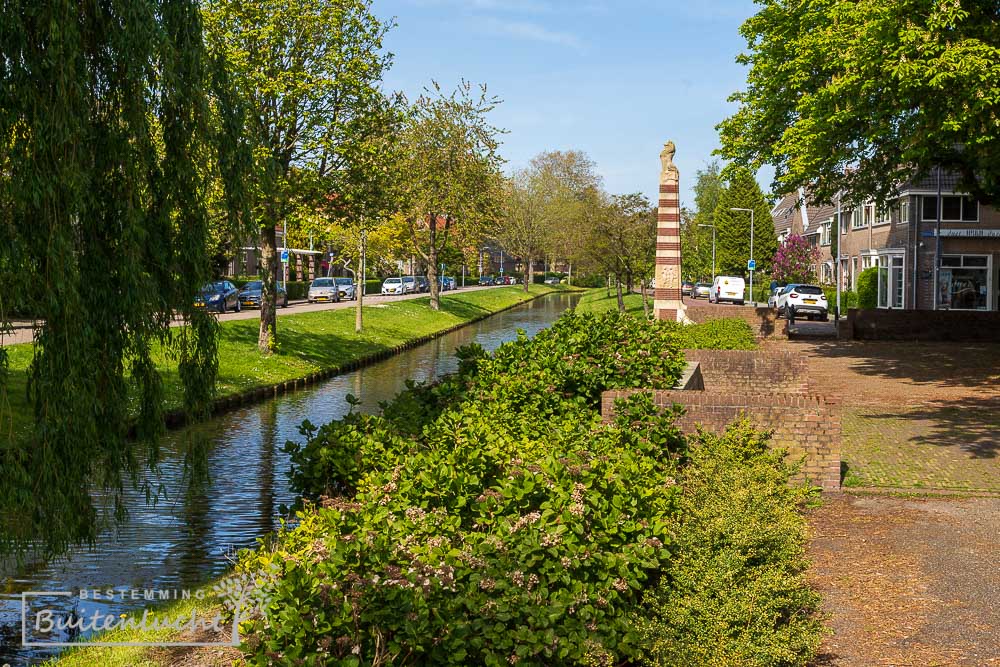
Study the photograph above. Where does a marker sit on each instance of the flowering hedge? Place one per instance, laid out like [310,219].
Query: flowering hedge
[795,261]
[489,519]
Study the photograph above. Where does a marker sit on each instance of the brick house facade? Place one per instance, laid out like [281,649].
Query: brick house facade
[901,240]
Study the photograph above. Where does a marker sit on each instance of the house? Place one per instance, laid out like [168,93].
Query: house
[901,239]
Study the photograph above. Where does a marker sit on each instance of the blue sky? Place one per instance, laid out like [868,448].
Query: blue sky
[614,79]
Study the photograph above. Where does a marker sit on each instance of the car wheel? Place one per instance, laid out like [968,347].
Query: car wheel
[742,303]
[284,303]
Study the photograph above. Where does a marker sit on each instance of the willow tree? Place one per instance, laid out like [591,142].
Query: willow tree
[451,185]
[309,71]
[105,141]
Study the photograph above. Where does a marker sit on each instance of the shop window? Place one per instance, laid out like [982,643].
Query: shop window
[964,282]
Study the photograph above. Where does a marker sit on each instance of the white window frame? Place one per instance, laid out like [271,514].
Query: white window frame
[826,233]
[884,262]
[961,212]
[858,218]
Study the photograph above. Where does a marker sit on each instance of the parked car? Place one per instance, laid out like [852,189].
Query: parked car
[486,280]
[772,300]
[345,289]
[701,290]
[423,285]
[250,295]
[798,300]
[219,296]
[323,290]
[728,288]
[446,283]
[505,280]
[552,281]
[392,286]
[687,288]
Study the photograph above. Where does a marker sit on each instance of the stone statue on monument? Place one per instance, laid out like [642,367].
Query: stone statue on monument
[667,160]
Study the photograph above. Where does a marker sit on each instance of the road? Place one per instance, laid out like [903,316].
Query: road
[23,331]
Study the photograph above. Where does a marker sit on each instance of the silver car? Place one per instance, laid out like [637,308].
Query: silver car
[701,291]
[323,290]
[345,288]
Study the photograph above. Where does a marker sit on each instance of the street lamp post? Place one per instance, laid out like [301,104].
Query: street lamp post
[750,211]
[713,248]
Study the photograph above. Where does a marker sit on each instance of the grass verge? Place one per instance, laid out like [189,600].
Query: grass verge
[601,301]
[308,343]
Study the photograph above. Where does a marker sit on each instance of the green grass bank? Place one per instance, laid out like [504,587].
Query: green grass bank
[309,343]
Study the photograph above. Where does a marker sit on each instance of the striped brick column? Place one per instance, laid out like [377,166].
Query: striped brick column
[668,304]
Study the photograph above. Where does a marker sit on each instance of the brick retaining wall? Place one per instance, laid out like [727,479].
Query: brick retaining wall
[923,325]
[752,372]
[807,427]
[764,321]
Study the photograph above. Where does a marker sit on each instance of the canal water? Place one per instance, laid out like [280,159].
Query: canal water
[184,540]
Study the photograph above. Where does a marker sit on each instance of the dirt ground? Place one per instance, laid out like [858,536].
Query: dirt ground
[908,582]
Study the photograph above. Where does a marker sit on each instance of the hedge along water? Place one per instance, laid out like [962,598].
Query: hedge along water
[181,542]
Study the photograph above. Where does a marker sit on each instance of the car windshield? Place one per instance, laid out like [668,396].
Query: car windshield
[344,281]
[214,287]
[407,280]
[392,281]
[253,285]
[323,282]
[808,289]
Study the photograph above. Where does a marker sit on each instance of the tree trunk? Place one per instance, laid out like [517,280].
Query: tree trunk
[432,276]
[527,275]
[630,283]
[569,276]
[621,301]
[645,304]
[268,294]
[359,288]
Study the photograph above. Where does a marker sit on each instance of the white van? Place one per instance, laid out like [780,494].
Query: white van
[728,288]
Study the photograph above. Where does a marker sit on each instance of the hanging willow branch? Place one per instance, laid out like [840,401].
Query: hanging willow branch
[106,129]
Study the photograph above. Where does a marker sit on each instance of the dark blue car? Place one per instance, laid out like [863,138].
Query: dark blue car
[219,296]
[250,294]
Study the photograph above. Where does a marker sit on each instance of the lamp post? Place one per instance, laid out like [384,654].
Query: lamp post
[713,248]
[750,211]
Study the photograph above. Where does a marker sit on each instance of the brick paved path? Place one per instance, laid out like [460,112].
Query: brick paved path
[916,415]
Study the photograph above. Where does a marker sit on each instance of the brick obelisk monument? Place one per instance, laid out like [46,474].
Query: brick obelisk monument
[668,304]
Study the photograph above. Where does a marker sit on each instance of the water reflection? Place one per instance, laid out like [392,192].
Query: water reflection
[187,538]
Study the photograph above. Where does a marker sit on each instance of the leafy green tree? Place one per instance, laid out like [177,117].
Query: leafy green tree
[106,119]
[451,192]
[733,227]
[522,230]
[568,183]
[623,240]
[696,241]
[857,96]
[309,71]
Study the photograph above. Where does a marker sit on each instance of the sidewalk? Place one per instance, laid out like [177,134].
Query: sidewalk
[916,415]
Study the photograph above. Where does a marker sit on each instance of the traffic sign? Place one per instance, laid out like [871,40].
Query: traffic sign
[284,256]
[752,265]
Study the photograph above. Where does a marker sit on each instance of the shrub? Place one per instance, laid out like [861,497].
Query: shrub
[493,538]
[868,288]
[728,334]
[734,593]
[847,299]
